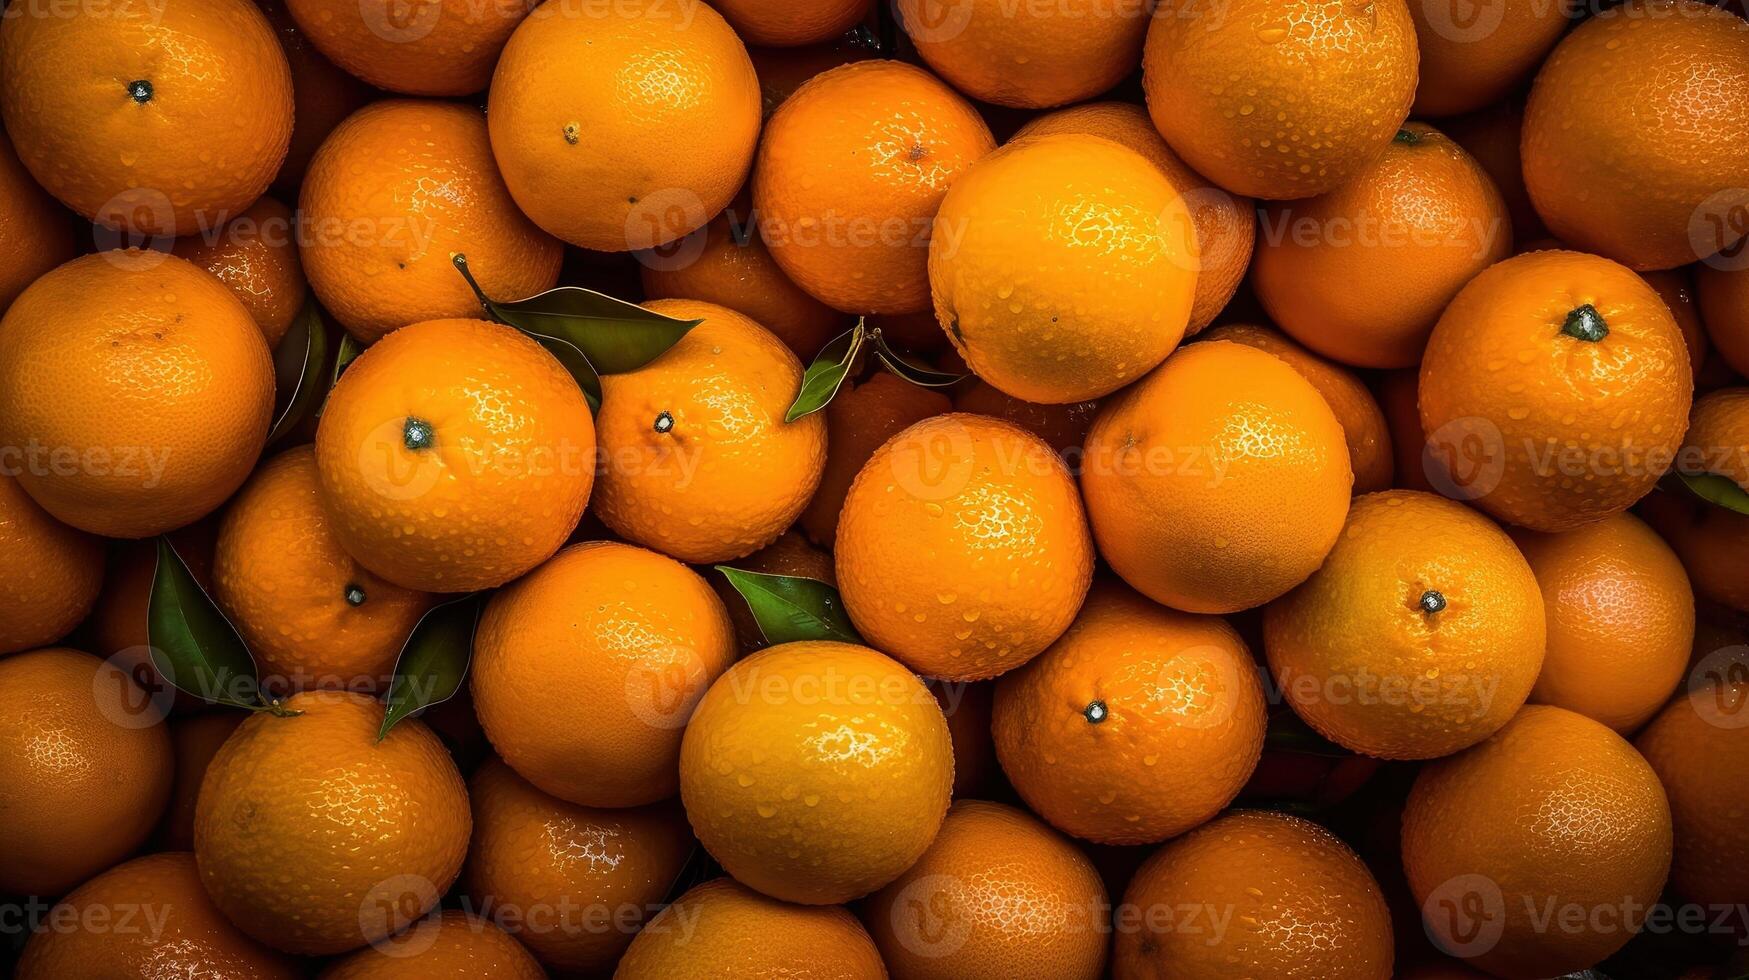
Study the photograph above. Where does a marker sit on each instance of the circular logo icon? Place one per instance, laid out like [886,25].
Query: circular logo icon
[400,21]
[129,692]
[673,220]
[934,464]
[933,21]
[1464,21]
[1465,916]
[1200,686]
[391,470]
[1465,459]
[924,920]
[391,906]
[662,690]
[136,228]
[1718,230]
[1718,687]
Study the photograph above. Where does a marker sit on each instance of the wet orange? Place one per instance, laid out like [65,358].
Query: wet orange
[35,233]
[1471,58]
[1699,747]
[56,572]
[860,419]
[443,48]
[739,932]
[1723,293]
[1028,56]
[451,945]
[255,255]
[794,23]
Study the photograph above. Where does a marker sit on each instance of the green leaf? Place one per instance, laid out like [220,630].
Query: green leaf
[789,608]
[193,646]
[1715,489]
[300,364]
[434,661]
[823,378]
[924,377]
[350,348]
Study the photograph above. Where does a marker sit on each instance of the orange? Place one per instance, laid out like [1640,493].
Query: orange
[1062,427]
[1280,98]
[1399,398]
[310,614]
[444,48]
[1699,747]
[454,455]
[1676,288]
[322,95]
[35,233]
[727,263]
[783,70]
[1648,188]
[1421,635]
[1553,813]
[572,882]
[1363,422]
[1491,136]
[375,829]
[147,918]
[1723,294]
[1620,619]
[1219,481]
[816,772]
[1029,56]
[963,549]
[450,945]
[626,125]
[55,572]
[1361,273]
[135,391]
[117,624]
[697,461]
[256,256]
[851,170]
[1254,894]
[84,769]
[738,932]
[394,192]
[1555,390]
[998,895]
[1709,539]
[586,670]
[1225,225]
[794,23]
[791,555]
[1718,436]
[194,739]
[157,118]
[1472,57]
[860,419]
[1139,724]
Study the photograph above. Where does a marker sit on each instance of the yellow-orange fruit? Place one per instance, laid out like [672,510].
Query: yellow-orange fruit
[793,23]
[738,932]
[1029,56]
[1724,306]
[451,945]
[1699,747]
[1472,57]
[35,233]
[55,572]
[442,48]
[256,255]
[859,420]
[194,739]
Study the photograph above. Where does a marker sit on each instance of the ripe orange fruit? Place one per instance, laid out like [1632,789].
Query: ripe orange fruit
[451,945]
[623,126]
[310,614]
[1645,189]
[1555,390]
[1139,724]
[860,419]
[697,461]
[1040,303]
[1029,56]
[1474,57]
[1554,812]
[442,48]
[159,118]
[783,70]
[1421,635]
[1699,747]
[1361,273]
[851,171]
[794,23]
[1620,619]
[1254,894]
[84,769]
[963,550]
[1062,427]
[194,740]
[322,95]
[998,895]
[562,871]
[454,455]
[256,256]
[56,572]
[117,625]
[1281,99]
[375,829]
[738,932]
[1709,539]
[136,389]
[394,192]
[1723,296]
[790,555]
[1399,398]
[1363,422]
[1677,291]
[1225,225]
[35,233]
[154,918]
[1491,136]
[816,772]
[1219,481]
[1718,435]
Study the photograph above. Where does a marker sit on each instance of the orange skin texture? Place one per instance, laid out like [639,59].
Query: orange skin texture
[322,95]
[533,855]
[443,48]
[962,548]
[282,579]
[256,256]
[1302,906]
[1331,81]
[783,70]
[586,669]
[1473,58]
[55,572]
[36,233]
[1361,273]
[1620,619]
[1183,727]
[1676,288]
[1541,428]
[851,171]
[1492,136]
[194,941]
[152,372]
[816,772]
[795,23]
[85,768]
[1219,481]
[1718,436]
[1640,191]
[1062,427]
[395,191]
[640,142]
[1710,540]
[1699,748]
[1724,306]
[1030,57]
[792,554]
[202,147]
[738,932]
[859,420]
[194,739]
[1363,422]
[1362,660]
[998,895]
[1064,267]
[1225,225]
[1553,808]
[730,474]
[373,826]
[451,945]
[504,481]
